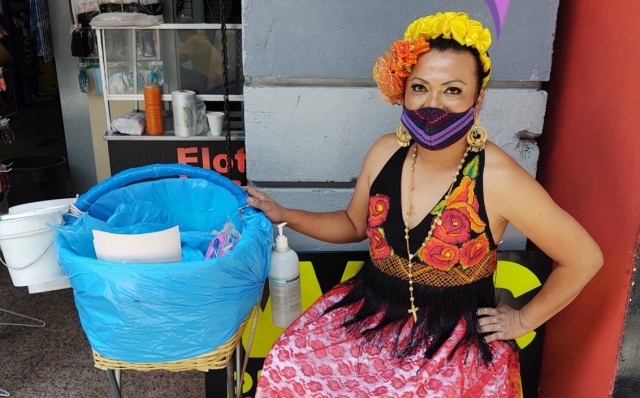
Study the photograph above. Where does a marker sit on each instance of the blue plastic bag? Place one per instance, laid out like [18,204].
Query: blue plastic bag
[164,312]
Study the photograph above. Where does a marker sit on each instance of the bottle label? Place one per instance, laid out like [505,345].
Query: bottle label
[285,295]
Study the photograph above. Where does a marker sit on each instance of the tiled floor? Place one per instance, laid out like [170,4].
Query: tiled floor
[56,362]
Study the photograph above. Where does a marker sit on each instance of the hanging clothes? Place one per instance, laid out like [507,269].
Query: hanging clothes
[40,24]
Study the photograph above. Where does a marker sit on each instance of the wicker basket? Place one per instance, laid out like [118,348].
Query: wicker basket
[216,359]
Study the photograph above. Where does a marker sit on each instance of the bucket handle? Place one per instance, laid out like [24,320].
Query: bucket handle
[39,257]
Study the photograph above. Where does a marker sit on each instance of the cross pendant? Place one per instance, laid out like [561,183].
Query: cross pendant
[413,311]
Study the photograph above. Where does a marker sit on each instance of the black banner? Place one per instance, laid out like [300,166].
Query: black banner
[125,154]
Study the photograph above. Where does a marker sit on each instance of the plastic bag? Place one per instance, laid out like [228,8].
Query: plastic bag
[125,19]
[223,242]
[202,125]
[130,124]
[154,313]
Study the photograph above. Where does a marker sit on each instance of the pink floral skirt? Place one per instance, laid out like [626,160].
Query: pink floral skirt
[316,357]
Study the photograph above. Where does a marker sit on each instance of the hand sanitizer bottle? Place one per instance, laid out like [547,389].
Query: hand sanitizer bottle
[284,282]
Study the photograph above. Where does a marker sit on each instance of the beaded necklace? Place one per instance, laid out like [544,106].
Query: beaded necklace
[436,220]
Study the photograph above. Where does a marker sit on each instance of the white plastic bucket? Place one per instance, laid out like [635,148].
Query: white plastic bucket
[56,284]
[27,244]
[48,205]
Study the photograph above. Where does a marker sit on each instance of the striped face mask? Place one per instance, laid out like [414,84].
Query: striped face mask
[435,128]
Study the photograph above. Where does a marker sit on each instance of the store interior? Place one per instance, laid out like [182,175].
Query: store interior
[55,360]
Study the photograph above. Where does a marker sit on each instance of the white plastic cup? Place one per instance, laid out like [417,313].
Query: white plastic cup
[215,120]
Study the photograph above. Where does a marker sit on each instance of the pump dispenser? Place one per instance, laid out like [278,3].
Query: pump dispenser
[284,282]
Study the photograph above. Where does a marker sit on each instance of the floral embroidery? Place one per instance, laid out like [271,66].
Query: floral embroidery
[378,246]
[378,209]
[439,254]
[455,227]
[473,251]
[464,199]
[459,238]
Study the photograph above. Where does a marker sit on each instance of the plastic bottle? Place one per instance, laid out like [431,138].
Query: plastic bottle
[153,106]
[284,282]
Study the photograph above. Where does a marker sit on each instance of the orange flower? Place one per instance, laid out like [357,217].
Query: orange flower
[439,254]
[402,48]
[378,209]
[472,252]
[391,69]
[455,227]
[391,86]
[464,199]
[378,246]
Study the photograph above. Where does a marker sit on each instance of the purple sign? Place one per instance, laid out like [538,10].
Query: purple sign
[498,10]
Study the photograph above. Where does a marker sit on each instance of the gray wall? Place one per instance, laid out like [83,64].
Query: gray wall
[312,109]
[343,38]
[75,112]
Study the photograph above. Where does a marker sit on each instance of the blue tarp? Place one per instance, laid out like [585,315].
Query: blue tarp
[164,312]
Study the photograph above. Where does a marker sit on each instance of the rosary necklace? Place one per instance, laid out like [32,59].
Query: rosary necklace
[436,220]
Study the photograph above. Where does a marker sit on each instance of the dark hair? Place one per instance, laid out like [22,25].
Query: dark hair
[442,45]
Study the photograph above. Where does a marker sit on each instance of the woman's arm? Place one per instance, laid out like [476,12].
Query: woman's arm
[521,200]
[343,226]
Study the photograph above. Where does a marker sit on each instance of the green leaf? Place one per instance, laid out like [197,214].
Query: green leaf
[439,207]
[471,170]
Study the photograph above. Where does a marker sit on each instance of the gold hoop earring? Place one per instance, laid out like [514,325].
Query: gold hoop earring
[402,136]
[477,137]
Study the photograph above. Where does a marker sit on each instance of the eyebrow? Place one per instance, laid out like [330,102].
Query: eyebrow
[444,84]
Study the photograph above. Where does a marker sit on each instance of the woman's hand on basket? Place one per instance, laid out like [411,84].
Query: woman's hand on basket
[501,323]
[260,200]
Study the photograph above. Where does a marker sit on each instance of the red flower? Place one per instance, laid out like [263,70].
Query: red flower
[455,227]
[307,369]
[464,199]
[472,252]
[434,384]
[378,246]
[314,386]
[299,389]
[378,209]
[325,370]
[439,254]
[289,372]
[381,391]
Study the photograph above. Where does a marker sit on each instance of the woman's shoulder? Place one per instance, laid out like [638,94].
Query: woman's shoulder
[379,153]
[383,149]
[501,169]
[386,144]
[496,157]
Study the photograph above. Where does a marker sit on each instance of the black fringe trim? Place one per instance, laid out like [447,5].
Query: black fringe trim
[440,310]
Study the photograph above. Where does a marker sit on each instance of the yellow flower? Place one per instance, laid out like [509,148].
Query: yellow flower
[459,31]
[473,34]
[486,62]
[437,25]
[391,70]
[484,41]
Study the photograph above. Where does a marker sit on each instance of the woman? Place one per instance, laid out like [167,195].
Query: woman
[421,317]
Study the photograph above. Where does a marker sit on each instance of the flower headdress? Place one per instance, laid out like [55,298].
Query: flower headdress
[391,70]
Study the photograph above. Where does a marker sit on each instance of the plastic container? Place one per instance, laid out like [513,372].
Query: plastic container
[153,106]
[215,120]
[284,282]
[26,242]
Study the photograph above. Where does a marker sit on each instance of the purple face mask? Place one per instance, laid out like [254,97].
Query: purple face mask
[434,128]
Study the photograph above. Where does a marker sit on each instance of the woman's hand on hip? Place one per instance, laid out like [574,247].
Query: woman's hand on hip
[501,323]
[258,199]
